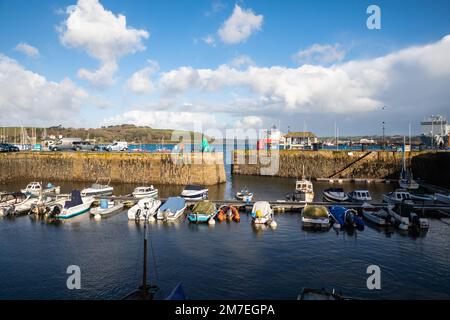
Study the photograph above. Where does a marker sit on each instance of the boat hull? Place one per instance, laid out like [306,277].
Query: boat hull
[108,211]
[75,211]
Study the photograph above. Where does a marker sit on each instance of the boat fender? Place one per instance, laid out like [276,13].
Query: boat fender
[211,221]
[273,224]
[97,217]
[151,218]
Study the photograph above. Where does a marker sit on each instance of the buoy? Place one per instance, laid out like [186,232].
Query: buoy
[337,225]
[273,224]
[151,219]
[98,216]
[211,221]
[403,226]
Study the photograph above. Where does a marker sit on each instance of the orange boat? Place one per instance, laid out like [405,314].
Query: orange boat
[228,213]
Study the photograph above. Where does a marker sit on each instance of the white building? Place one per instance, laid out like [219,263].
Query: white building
[436,125]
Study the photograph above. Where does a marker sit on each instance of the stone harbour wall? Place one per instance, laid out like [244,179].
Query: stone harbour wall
[142,168]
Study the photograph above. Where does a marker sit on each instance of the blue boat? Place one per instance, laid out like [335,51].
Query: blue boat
[203,212]
[346,218]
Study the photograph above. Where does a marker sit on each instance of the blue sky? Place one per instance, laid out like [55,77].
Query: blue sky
[346,71]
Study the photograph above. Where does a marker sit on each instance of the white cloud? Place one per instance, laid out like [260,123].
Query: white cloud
[410,79]
[27,49]
[241,61]
[320,54]
[30,99]
[140,81]
[103,35]
[165,119]
[240,25]
[209,40]
[250,122]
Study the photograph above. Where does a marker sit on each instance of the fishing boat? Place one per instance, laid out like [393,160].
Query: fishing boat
[145,192]
[444,198]
[35,189]
[107,208]
[375,215]
[99,188]
[405,218]
[77,205]
[406,180]
[315,216]
[422,198]
[262,214]
[8,201]
[203,212]
[144,209]
[194,192]
[398,196]
[359,196]
[228,213]
[335,195]
[172,209]
[320,294]
[244,195]
[345,218]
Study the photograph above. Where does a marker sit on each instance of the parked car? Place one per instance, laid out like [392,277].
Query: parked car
[117,146]
[85,146]
[7,147]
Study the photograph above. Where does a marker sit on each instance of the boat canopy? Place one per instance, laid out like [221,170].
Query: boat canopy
[315,212]
[262,206]
[173,204]
[194,187]
[75,200]
[204,207]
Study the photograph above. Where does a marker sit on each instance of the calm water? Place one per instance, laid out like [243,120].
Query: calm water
[228,260]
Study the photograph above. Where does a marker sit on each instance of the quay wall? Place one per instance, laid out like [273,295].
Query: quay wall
[139,168]
[344,164]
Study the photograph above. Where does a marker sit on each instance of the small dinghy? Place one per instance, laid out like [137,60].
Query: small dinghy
[8,201]
[145,192]
[228,213]
[76,206]
[144,209]
[335,195]
[315,217]
[98,189]
[35,189]
[405,218]
[378,216]
[346,218]
[194,192]
[203,212]
[106,208]
[244,195]
[172,209]
[262,214]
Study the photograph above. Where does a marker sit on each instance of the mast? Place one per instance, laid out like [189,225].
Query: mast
[144,273]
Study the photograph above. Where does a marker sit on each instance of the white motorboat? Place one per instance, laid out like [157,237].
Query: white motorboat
[405,217]
[422,198]
[304,191]
[359,196]
[194,192]
[444,198]
[172,209]
[35,189]
[106,208]
[144,209]
[77,205]
[398,196]
[378,216]
[25,206]
[244,195]
[46,205]
[315,217]
[98,189]
[145,192]
[335,195]
[406,180]
[8,201]
[262,213]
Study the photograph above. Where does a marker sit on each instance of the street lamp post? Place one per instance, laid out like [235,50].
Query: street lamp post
[383,145]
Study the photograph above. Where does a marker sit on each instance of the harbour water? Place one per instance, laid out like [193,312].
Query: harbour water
[224,261]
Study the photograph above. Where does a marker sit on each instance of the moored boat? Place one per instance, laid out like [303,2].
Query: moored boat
[244,195]
[378,216]
[144,209]
[228,213]
[194,192]
[98,189]
[8,201]
[334,195]
[76,206]
[262,214]
[444,198]
[405,218]
[398,196]
[359,196]
[406,180]
[145,192]
[172,209]
[35,189]
[422,198]
[315,217]
[106,208]
[203,212]
[345,218]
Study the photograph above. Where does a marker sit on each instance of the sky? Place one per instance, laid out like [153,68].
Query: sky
[200,64]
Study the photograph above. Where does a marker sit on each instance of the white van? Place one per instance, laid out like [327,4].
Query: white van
[117,146]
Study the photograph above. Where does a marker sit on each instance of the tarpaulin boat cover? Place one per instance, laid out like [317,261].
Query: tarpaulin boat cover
[75,199]
[262,206]
[315,212]
[204,207]
[173,204]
